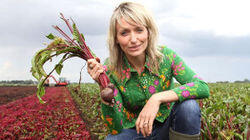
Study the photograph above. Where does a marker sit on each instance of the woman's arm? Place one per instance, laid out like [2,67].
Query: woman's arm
[166,96]
[192,86]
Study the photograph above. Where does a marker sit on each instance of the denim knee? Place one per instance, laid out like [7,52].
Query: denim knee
[186,117]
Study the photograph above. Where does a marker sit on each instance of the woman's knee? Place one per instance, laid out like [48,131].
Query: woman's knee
[189,108]
[187,117]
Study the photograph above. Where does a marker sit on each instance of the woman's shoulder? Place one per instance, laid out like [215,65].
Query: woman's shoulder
[165,50]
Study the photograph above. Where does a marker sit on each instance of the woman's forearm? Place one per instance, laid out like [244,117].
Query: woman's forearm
[166,96]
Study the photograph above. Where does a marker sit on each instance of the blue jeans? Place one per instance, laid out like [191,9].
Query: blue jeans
[184,118]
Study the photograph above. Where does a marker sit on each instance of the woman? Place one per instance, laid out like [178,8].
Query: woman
[147,105]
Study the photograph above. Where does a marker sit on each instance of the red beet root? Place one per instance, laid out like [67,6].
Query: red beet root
[107,94]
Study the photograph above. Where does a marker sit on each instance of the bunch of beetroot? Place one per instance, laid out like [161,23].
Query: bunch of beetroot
[68,47]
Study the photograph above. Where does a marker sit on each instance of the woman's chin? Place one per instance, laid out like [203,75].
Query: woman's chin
[135,54]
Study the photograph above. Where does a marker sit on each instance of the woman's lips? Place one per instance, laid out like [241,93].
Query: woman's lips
[134,48]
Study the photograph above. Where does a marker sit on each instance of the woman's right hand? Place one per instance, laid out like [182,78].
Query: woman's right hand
[95,68]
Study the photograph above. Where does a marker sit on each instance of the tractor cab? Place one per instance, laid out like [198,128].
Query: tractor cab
[62,80]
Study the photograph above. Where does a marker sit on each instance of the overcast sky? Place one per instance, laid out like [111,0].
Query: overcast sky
[212,36]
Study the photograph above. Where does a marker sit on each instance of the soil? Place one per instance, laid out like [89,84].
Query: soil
[12,93]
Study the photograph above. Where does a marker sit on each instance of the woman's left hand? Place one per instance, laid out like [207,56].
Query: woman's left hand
[145,120]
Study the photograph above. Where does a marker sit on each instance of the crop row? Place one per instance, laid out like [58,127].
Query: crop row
[58,118]
[87,99]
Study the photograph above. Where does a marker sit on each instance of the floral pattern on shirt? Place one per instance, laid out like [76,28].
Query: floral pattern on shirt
[132,91]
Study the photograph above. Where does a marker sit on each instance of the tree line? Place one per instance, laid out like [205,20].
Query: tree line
[22,82]
[238,81]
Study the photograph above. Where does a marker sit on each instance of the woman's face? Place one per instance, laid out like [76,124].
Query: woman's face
[132,38]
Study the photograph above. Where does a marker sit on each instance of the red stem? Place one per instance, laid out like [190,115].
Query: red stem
[103,78]
[70,28]
[65,35]
[210,136]
[201,104]
[228,124]
[202,127]
[83,42]
[67,22]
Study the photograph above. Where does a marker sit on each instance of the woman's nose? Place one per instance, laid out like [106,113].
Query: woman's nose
[133,38]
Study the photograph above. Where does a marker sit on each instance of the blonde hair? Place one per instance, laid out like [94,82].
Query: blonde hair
[138,14]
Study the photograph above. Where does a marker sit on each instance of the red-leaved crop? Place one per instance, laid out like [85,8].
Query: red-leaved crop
[56,119]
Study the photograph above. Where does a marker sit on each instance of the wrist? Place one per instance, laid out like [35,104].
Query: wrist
[157,98]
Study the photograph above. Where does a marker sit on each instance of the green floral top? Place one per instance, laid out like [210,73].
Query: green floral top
[133,91]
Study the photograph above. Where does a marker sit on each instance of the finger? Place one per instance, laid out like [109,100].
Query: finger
[95,74]
[146,128]
[137,125]
[142,120]
[92,73]
[92,65]
[89,66]
[142,128]
[90,61]
[146,125]
[95,68]
[150,125]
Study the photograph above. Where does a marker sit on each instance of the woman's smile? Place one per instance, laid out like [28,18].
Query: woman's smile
[134,48]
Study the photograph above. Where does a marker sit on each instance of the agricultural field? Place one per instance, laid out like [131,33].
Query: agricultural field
[225,114]
[26,118]
[74,112]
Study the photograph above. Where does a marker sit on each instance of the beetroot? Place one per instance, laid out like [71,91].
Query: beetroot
[107,94]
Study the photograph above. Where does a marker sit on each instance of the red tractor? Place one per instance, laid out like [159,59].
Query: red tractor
[61,82]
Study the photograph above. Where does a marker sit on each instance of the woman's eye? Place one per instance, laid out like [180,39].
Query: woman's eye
[123,33]
[139,30]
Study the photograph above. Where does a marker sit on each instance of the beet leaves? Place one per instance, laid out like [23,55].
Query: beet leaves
[67,48]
